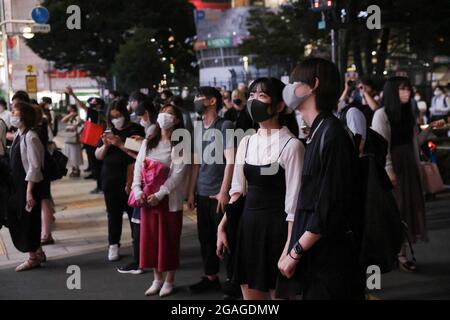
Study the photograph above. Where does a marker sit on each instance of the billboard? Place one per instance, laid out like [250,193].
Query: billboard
[221,28]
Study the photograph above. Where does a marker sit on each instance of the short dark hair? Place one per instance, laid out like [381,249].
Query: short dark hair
[21,96]
[27,114]
[138,96]
[147,105]
[3,103]
[121,106]
[167,93]
[99,101]
[177,101]
[328,91]
[211,92]
[115,93]
[273,87]
[47,100]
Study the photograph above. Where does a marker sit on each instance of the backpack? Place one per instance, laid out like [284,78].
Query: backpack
[55,164]
[375,144]
[381,231]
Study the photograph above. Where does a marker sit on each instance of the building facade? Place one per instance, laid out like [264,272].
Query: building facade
[221,28]
[50,82]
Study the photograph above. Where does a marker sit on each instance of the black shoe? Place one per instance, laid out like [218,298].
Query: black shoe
[132,268]
[91,176]
[205,285]
[96,191]
[232,291]
[87,170]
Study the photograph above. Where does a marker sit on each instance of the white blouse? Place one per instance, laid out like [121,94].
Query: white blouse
[174,185]
[32,153]
[265,149]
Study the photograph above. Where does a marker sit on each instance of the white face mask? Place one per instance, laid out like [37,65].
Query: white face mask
[15,122]
[437,92]
[118,123]
[417,97]
[166,120]
[144,123]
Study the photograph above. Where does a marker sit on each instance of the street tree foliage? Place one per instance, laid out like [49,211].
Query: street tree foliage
[139,54]
[107,26]
[412,32]
[279,37]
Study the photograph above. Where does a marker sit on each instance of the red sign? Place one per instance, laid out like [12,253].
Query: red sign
[217,4]
[69,74]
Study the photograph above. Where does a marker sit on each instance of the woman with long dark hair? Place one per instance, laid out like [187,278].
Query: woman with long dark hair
[161,198]
[117,162]
[267,170]
[396,123]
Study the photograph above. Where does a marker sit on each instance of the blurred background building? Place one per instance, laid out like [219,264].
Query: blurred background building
[221,27]
[50,82]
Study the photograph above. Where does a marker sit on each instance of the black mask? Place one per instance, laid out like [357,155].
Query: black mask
[237,102]
[258,110]
[200,107]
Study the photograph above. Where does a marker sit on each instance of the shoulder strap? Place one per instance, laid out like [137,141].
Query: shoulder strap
[246,148]
[343,113]
[284,147]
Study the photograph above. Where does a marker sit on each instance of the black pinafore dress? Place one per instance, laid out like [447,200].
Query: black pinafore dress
[24,227]
[262,231]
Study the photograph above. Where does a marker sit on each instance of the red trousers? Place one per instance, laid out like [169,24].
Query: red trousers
[160,238]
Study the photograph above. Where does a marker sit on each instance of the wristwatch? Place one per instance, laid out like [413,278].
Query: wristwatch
[298,249]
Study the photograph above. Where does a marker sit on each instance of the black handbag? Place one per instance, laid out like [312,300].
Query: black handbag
[55,165]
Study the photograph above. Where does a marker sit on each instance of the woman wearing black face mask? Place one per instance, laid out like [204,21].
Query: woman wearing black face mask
[238,114]
[117,164]
[266,163]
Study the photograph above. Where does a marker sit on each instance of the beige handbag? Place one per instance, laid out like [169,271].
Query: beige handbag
[432,180]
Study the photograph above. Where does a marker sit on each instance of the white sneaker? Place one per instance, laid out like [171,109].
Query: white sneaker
[166,289]
[155,287]
[113,252]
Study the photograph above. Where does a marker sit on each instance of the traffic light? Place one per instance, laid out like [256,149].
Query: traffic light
[322,5]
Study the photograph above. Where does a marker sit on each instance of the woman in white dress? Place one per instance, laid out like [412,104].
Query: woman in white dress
[72,141]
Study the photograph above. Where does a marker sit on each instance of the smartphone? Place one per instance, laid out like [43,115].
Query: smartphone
[108,133]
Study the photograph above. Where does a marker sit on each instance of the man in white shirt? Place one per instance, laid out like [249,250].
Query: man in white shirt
[440,104]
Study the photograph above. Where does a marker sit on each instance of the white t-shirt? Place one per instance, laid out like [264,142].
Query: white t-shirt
[356,122]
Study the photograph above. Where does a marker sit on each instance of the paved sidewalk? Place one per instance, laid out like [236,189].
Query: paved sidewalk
[80,227]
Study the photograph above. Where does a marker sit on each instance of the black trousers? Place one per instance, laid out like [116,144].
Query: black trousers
[207,222]
[94,164]
[136,235]
[116,201]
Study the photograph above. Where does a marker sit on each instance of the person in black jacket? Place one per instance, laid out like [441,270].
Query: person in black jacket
[323,256]
[116,169]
